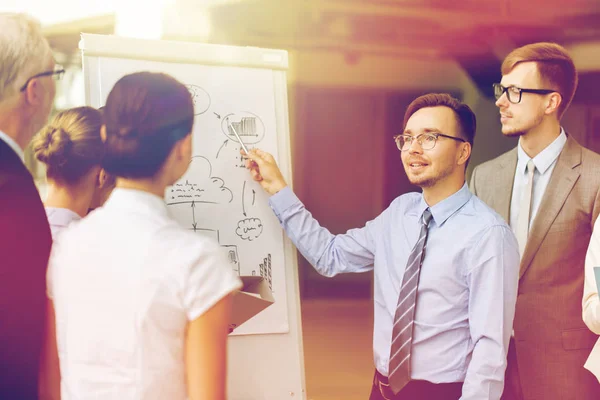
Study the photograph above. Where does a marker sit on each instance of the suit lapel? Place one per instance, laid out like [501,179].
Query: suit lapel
[504,179]
[560,185]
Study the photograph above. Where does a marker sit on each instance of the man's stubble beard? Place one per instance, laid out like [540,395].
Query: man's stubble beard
[521,132]
[431,181]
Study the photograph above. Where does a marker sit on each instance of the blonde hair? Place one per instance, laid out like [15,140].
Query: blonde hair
[555,66]
[23,51]
[71,144]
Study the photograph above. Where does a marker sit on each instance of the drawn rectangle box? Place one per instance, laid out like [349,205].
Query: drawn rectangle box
[252,298]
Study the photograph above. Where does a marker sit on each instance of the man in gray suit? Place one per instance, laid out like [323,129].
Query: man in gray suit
[548,190]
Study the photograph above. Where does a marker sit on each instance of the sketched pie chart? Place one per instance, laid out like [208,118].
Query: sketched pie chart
[200,97]
[248,126]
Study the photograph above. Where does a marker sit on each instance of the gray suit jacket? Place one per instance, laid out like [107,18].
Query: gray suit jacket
[551,340]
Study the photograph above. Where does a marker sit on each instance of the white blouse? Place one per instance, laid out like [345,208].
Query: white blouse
[591,302]
[60,218]
[125,281]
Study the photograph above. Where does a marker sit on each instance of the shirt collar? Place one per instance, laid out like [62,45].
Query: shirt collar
[545,158]
[13,145]
[137,200]
[62,216]
[445,208]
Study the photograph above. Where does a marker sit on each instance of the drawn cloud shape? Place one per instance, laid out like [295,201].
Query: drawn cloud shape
[249,229]
[199,186]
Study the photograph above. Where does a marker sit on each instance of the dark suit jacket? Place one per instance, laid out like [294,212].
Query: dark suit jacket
[552,342]
[25,243]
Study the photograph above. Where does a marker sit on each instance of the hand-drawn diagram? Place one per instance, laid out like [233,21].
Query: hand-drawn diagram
[265,271]
[200,97]
[249,228]
[243,198]
[240,161]
[231,249]
[211,189]
[233,257]
[248,126]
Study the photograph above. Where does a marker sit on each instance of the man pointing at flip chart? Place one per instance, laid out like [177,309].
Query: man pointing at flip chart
[445,264]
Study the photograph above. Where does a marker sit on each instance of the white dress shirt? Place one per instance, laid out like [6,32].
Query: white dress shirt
[544,162]
[125,282]
[60,218]
[13,145]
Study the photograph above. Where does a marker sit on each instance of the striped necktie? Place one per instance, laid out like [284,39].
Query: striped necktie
[402,331]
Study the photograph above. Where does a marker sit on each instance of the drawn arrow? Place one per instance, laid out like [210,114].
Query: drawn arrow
[223,145]
[243,205]
[218,116]
[194,224]
[253,196]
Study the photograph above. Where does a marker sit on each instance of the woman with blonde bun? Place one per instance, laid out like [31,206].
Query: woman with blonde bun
[72,150]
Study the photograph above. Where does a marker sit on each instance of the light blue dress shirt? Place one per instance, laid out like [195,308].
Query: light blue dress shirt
[544,163]
[467,288]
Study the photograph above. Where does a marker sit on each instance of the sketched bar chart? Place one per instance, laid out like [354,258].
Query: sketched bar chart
[248,126]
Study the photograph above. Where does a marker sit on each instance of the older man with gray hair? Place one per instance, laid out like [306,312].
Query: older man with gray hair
[27,90]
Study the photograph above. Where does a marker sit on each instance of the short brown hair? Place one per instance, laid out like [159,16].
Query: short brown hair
[464,115]
[554,64]
[145,114]
[70,145]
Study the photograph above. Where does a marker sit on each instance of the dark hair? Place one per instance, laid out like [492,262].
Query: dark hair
[464,115]
[145,114]
[71,144]
[554,64]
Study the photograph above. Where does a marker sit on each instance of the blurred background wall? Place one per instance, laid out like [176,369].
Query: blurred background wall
[355,66]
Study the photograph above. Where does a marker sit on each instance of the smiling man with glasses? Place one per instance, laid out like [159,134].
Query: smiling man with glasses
[548,188]
[27,92]
[445,264]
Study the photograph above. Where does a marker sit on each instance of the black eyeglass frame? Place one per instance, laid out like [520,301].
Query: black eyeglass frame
[417,138]
[60,71]
[498,94]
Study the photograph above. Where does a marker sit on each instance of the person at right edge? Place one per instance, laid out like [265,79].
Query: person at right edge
[548,189]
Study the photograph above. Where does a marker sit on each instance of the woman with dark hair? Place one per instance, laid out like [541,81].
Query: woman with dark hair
[142,304]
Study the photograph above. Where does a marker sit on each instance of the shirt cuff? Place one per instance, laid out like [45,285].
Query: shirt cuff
[282,200]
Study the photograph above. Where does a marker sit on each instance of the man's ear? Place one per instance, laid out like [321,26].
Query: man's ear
[465,153]
[554,102]
[33,93]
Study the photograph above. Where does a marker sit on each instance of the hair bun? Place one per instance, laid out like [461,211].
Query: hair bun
[53,146]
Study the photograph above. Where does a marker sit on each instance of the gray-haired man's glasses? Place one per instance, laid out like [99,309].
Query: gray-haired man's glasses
[514,94]
[58,73]
[427,141]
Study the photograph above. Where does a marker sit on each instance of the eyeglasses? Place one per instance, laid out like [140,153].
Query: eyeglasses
[58,73]
[513,93]
[427,141]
